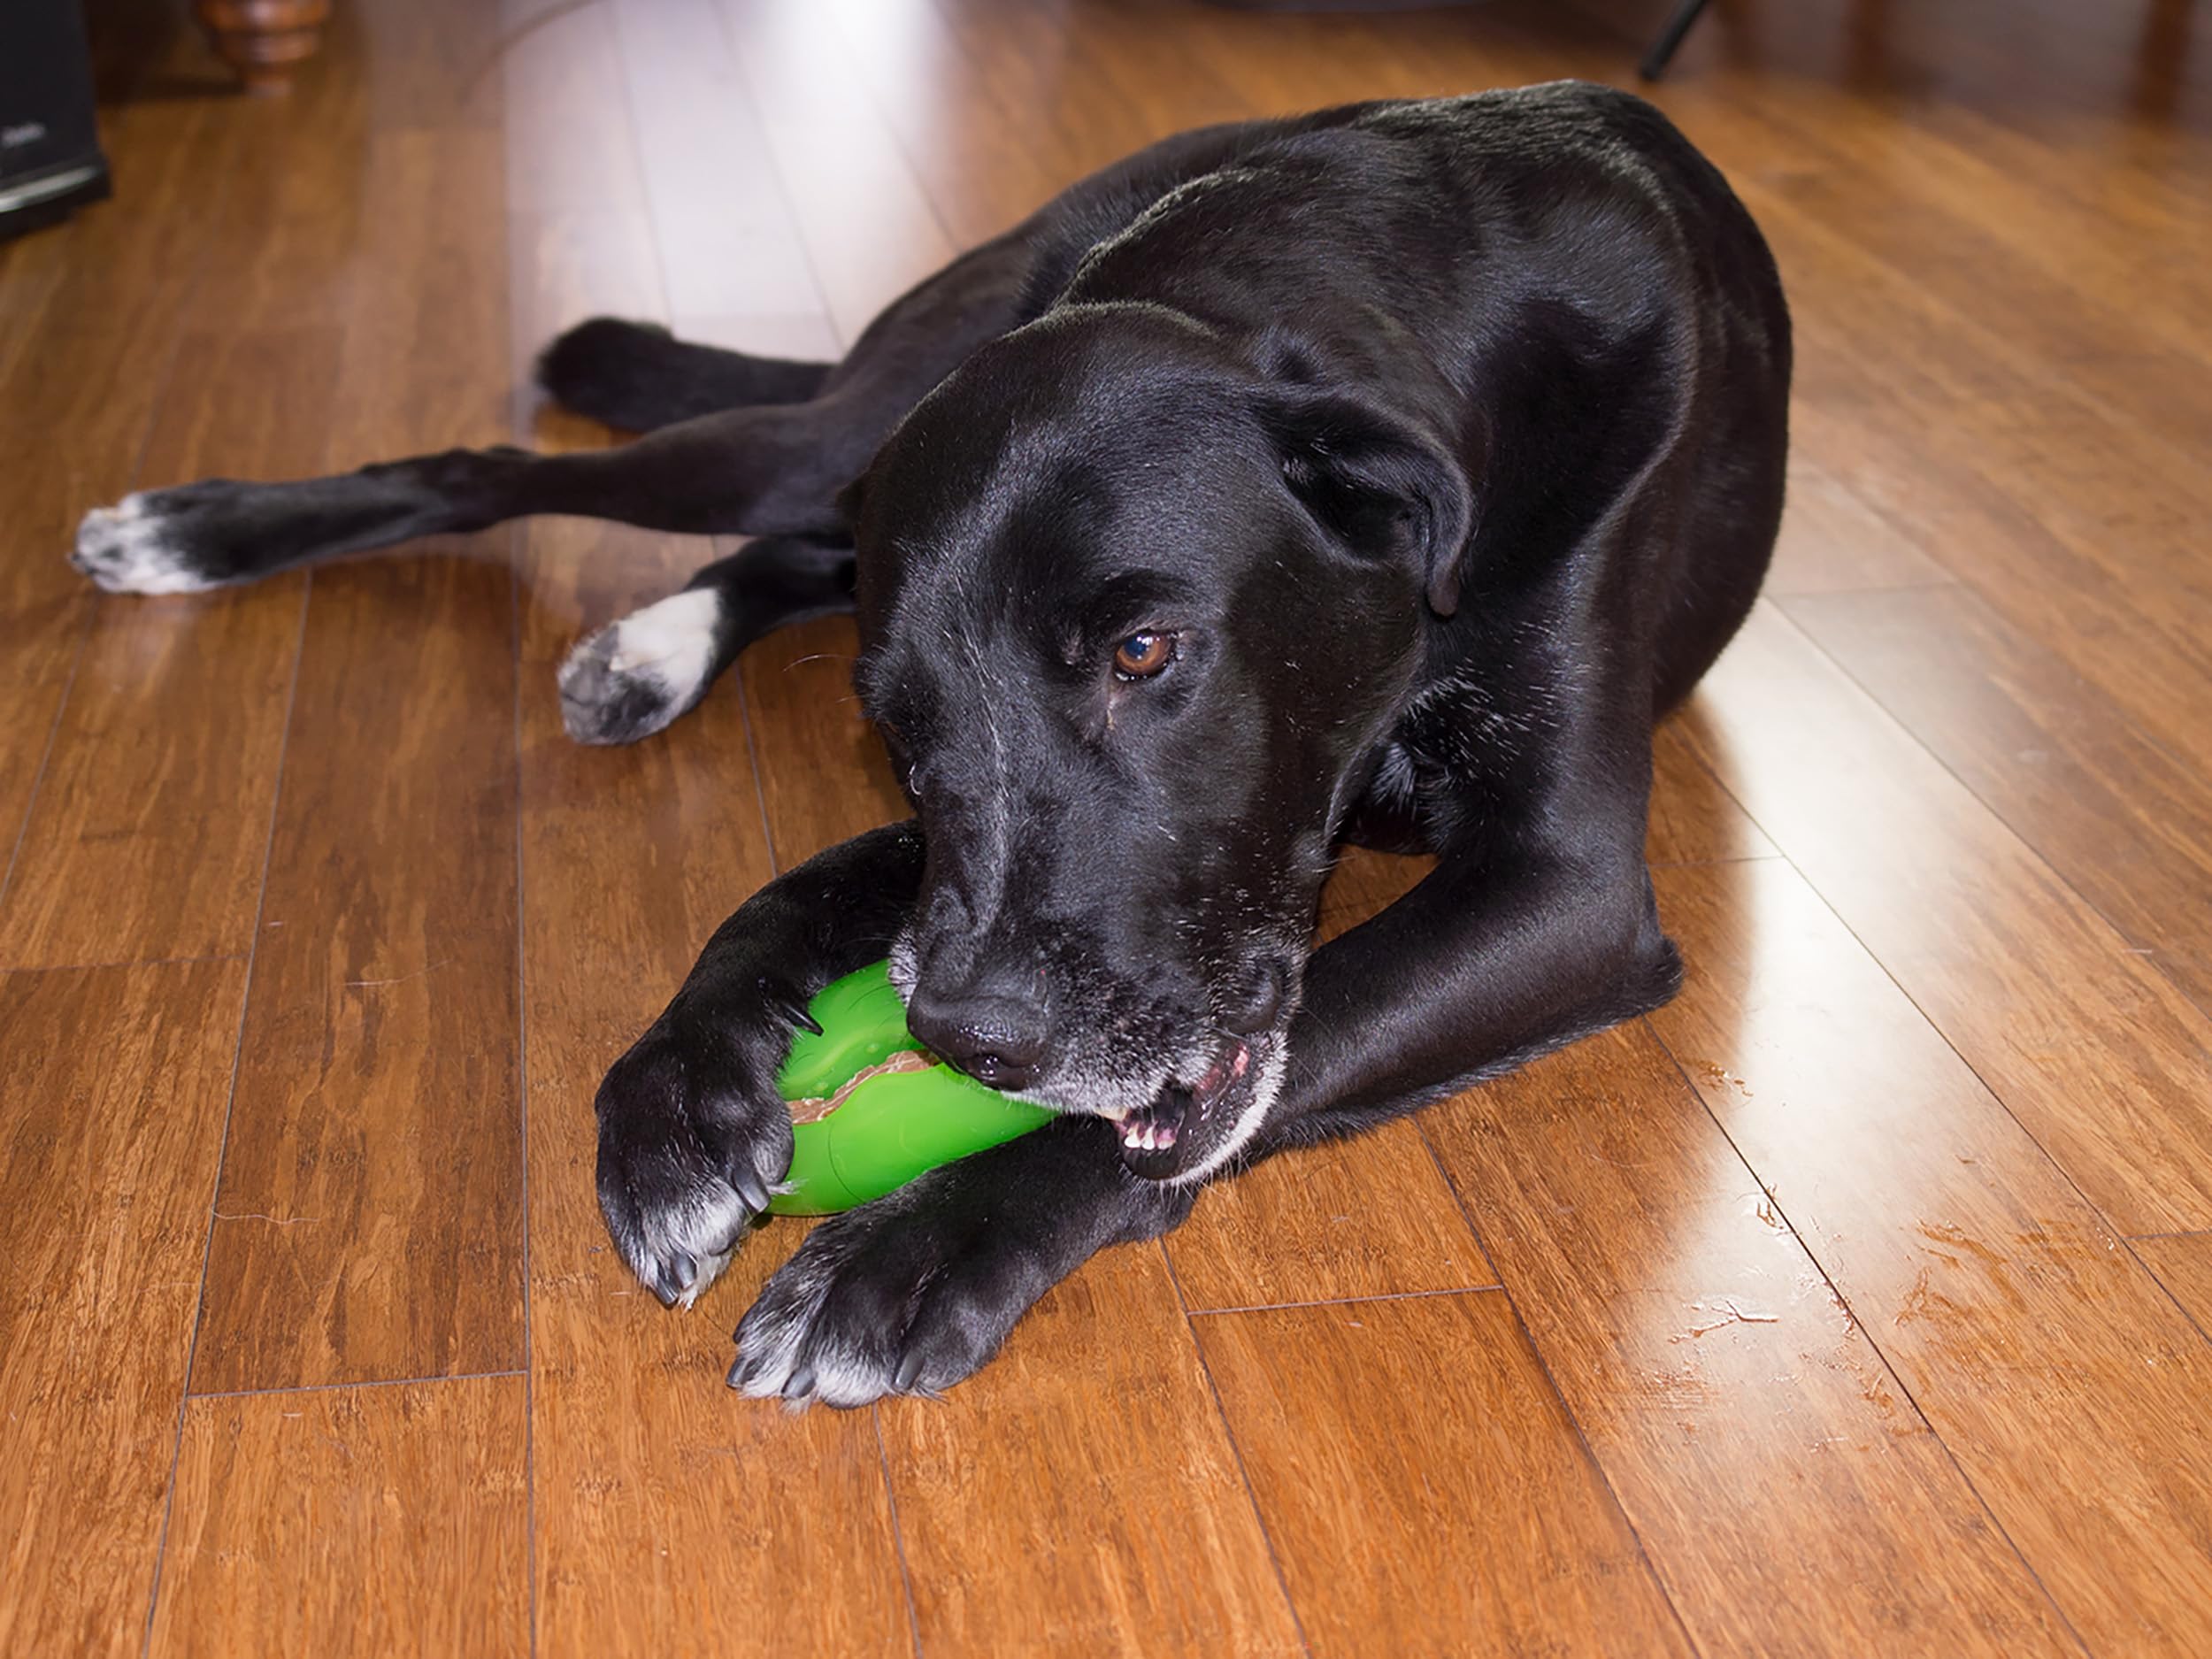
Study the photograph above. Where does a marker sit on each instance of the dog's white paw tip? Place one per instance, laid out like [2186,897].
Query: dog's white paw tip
[127,549]
[632,677]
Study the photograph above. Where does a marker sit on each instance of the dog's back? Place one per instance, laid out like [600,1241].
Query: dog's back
[1559,252]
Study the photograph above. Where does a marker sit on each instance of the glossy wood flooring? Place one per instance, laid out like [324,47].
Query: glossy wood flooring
[1854,1304]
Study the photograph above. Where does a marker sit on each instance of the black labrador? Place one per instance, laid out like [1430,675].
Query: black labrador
[1374,475]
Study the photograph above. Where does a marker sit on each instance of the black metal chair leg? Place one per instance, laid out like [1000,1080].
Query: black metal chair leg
[1656,59]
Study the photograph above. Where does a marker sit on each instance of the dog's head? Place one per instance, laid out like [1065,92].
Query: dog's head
[1135,616]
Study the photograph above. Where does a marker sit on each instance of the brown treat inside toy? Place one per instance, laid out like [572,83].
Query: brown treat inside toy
[814,1107]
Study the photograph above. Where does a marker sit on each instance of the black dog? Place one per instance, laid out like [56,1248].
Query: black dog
[1375,475]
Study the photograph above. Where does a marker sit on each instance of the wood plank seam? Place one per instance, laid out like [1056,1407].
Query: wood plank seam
[2183,1308]
[515,555]
[521,407]
[1806,1243]
[1922,1153]
[637,149]
[1559,1394]
[2085,409]
[859,86]
[2176,459]
[372,1382]
[776,179]
[2055,878]
[1244,1475]
[2118,805]
[750,111]
[1345,1301]
[222,1146]
[2157,957]
[865,82]
[898,1542]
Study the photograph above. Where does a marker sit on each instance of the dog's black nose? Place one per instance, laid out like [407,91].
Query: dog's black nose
[995,1039]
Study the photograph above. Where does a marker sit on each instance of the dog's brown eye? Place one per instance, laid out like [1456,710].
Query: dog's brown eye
[1141,656]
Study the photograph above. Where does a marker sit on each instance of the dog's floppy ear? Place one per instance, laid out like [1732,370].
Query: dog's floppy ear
[1385,489]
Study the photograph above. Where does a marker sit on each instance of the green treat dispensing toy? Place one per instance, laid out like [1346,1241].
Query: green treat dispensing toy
[868,1110]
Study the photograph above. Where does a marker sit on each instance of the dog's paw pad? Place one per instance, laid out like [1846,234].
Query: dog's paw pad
[132,547]
[632,678]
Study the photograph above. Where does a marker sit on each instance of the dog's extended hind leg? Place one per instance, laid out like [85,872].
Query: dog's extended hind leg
[765,469]
[745,472]
[635,676]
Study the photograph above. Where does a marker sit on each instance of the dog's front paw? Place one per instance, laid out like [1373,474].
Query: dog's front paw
[692,1134]
[633,677]
[142,545]
[908,1295]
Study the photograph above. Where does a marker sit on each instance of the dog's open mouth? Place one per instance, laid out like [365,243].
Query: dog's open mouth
[1179,1109]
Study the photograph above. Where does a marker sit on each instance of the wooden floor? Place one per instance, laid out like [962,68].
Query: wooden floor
[1857,1304]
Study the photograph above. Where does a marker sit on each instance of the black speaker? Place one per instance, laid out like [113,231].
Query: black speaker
[49,149]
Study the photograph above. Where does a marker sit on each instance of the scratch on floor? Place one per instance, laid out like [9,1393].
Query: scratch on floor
[1735,1316]
[399,979]
[255,1215]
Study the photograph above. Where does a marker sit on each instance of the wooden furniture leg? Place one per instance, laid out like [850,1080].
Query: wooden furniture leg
[264,40]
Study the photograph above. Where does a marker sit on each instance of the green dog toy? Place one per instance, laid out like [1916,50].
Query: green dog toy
[870,1111]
